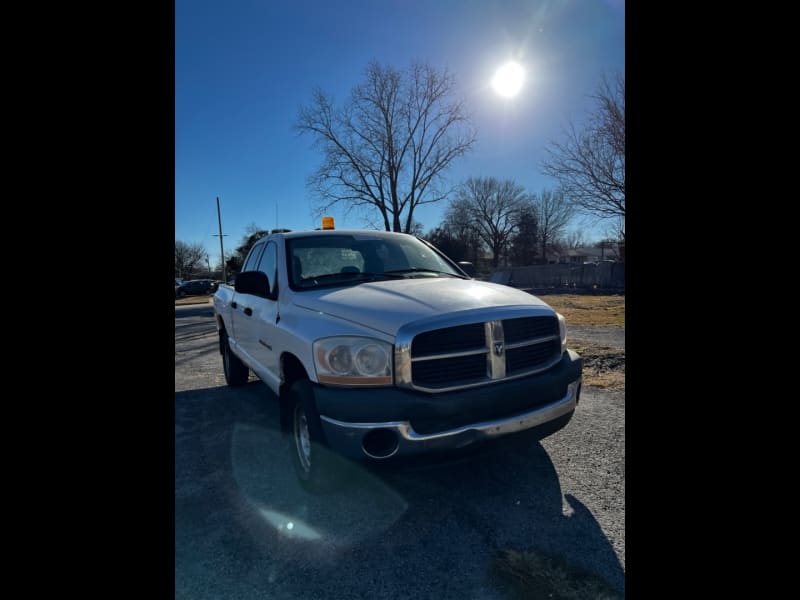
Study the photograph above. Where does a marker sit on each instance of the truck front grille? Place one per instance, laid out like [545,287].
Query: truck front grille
[479,353]
[443,372]
[526,357]
[449,339]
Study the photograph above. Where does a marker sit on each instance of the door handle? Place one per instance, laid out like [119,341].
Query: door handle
[234,305]
[248,311]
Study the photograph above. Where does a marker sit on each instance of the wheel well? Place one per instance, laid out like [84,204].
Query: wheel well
[221,331]
[291,370]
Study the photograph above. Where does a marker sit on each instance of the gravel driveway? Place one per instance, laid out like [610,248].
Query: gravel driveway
[244,528]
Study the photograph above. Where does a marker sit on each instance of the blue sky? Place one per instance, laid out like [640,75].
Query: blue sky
[243,68]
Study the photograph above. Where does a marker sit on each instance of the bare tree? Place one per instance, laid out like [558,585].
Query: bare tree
[526,239]
[417,229]
[387,147]
[616,229]
[492,207]
[589,163]
[189,258]
[254,228]
[574,239]
[554,212]
[457,237]
[229,254]
[253,233]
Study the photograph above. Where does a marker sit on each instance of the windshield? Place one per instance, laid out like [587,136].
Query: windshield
[350,259]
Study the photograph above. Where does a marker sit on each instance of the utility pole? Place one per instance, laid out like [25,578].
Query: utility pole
[221,249]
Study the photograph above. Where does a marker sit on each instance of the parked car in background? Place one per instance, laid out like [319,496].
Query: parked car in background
[196,287]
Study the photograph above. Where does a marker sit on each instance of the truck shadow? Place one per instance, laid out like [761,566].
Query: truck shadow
[243,523]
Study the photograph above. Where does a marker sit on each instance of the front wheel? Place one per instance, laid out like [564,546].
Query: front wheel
[236,372]
[310,457]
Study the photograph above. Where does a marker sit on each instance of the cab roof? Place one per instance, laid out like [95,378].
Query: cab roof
[329,232]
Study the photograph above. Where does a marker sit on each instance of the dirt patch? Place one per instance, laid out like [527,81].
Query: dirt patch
[603,367]
[594,311]
[193,300]
[595,330]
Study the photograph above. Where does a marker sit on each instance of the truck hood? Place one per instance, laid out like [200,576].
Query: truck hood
[387,305]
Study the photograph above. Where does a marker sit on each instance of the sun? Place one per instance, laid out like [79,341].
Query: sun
[508,79]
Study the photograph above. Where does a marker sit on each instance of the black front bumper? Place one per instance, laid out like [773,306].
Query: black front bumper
[422,422]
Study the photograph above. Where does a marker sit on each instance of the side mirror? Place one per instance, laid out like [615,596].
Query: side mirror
[252,282]
[467,267]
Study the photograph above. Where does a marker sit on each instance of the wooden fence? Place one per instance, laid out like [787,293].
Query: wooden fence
[605,276]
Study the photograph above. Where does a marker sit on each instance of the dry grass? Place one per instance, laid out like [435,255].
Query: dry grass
[603,367]
[593,311]
[193,300]
[534,575]
[609,380]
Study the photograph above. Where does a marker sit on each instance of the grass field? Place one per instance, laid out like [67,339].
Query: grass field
[592,311]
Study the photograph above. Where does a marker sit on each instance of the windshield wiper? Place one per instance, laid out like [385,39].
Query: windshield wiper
[420,270]
[388,274]
[346,278]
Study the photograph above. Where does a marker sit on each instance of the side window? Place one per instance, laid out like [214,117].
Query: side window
[252,258]
[269,266]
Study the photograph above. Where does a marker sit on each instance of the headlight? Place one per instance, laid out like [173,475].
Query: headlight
[562,330]
[353,361]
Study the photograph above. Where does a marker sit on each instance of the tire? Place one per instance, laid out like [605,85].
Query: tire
[310,455]
[236,372]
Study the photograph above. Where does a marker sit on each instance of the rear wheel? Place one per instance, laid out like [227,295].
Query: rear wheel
[310,457]
[236,372]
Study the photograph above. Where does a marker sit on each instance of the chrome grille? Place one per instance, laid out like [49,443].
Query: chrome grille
[449,339]
[479,352]
[443,372]
[528,328]
[522,359]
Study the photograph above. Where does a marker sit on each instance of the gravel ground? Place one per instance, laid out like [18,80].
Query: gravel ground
[245,529]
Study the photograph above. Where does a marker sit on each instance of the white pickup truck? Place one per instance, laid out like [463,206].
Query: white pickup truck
[378,346]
